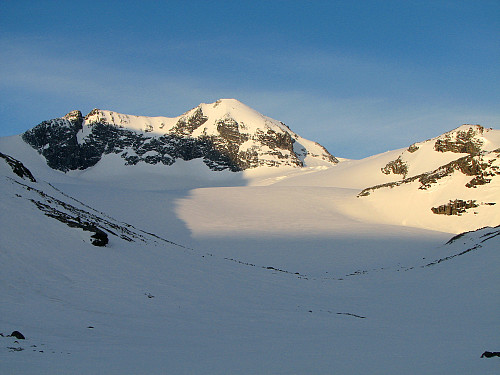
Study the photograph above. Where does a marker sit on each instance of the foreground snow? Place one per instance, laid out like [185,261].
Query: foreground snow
[267,271]
[212,315]
[337,295]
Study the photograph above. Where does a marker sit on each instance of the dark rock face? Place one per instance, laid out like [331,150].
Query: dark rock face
[186,126]
[230,132]
[70,143]
[57,141]
[18,167]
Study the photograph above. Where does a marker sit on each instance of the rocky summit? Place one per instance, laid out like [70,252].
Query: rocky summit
[226,135]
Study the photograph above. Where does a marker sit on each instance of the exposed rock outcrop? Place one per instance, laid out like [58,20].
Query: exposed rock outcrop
[483,167]
[456,207]
[18,168]
[18,335]
[413,148]
[490,354]
[461,141]
[397,166]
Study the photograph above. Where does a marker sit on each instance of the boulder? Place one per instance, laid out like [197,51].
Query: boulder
[18,335]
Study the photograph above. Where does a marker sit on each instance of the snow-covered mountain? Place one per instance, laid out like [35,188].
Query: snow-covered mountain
[457,173]
[252,304]
[429,155]
[447,183]
[133,244]
[226,135]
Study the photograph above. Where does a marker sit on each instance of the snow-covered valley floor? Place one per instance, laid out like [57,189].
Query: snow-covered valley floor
[273,277]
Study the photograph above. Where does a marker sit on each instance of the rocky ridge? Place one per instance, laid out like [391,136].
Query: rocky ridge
[225,135]
[17,167]
[56,205]
[483,167]
[471,151]
[466,140]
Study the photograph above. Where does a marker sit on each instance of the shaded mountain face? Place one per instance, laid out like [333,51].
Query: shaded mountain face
[225,135]
[75,216]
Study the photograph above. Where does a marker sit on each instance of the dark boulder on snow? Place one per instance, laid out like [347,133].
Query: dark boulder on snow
[99,238]
[490,354]
[18,335]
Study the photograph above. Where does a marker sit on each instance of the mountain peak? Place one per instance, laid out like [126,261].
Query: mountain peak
[231,108]
[475,127]
[73,115]
[228,101]
[226,134]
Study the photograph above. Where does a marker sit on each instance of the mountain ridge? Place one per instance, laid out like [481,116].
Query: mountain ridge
[226,135]
[223,269]
[453,174]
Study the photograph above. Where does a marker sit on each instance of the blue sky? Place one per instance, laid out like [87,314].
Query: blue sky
[359,77]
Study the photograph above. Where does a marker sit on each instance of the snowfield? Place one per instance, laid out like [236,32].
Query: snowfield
[266,271]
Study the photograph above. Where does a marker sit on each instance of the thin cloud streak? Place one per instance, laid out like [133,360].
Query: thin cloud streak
[350,124]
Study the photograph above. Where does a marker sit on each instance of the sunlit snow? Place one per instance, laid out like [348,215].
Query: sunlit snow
[265,271]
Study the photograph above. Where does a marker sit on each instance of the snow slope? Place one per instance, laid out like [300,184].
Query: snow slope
[431,179]
[268,270]
[415,305]
[305,201]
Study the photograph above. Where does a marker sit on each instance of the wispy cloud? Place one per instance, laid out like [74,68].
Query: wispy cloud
[329,97]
